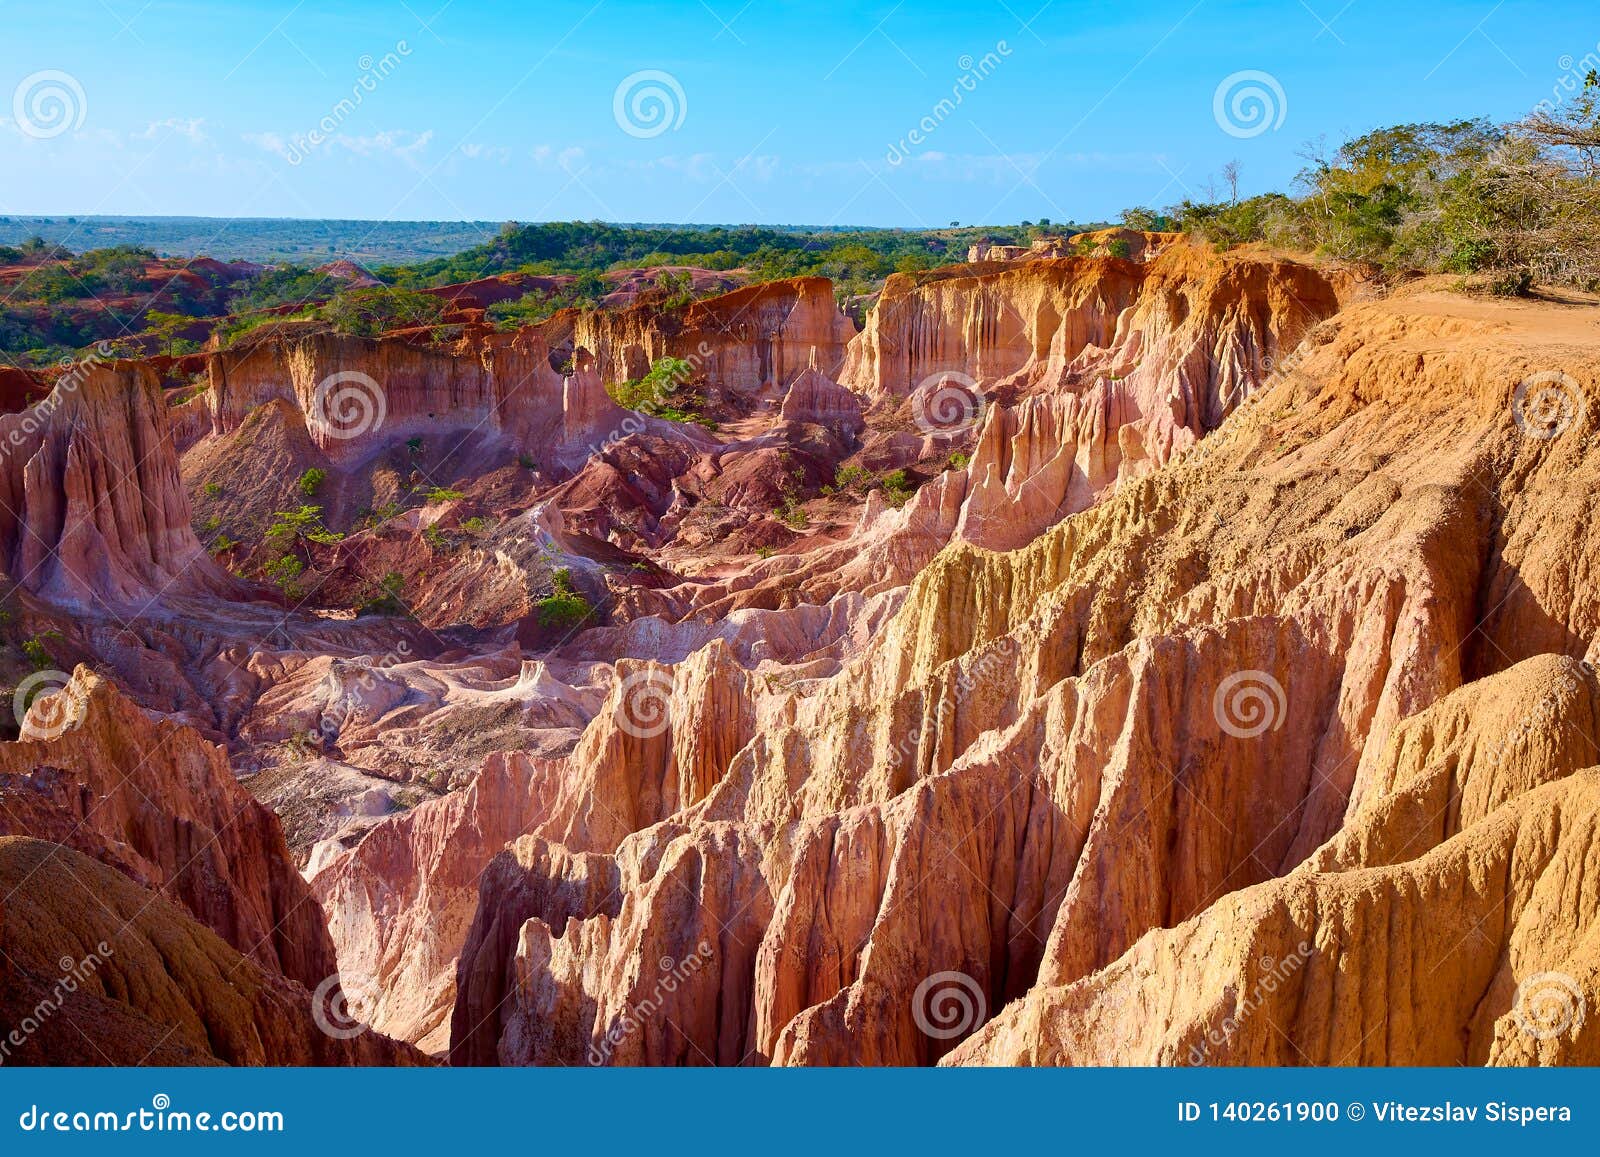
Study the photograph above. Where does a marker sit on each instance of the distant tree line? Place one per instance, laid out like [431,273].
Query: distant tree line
[1516,205]
[854,259]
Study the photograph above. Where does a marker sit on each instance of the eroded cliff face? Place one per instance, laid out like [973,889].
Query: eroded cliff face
[1146,357]
[1054,380]
[1032,464]
[522,384]
[1143,721]
[160,804]
[1219,627]
[1234,312]
[92,508]
[755,340]
[357,394]
[99,971]
[401,902]
[1464,894]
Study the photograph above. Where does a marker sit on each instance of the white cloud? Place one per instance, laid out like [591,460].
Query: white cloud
[486,153]
[567,159]
[401,143]
[269,142]
[191,128]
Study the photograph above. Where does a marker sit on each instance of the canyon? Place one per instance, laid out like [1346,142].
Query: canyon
[1182,657]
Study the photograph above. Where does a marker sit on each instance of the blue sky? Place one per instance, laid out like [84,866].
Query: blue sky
[774,112]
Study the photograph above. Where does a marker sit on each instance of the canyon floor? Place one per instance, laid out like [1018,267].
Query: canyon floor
[1154,656]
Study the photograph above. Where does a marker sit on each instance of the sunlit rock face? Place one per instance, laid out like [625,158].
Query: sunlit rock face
[1096,659]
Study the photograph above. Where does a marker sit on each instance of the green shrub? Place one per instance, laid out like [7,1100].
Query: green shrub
[291,526]
[564,607]
[370,312]
[584,292]
[559,612]
[897,488]
[849,476]
[311,481]
[387,600]
[790,513]
[384,513]
[658,392]
[38,652]
[284,572]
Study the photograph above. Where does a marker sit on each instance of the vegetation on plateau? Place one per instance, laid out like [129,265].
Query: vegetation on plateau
[1515,204]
